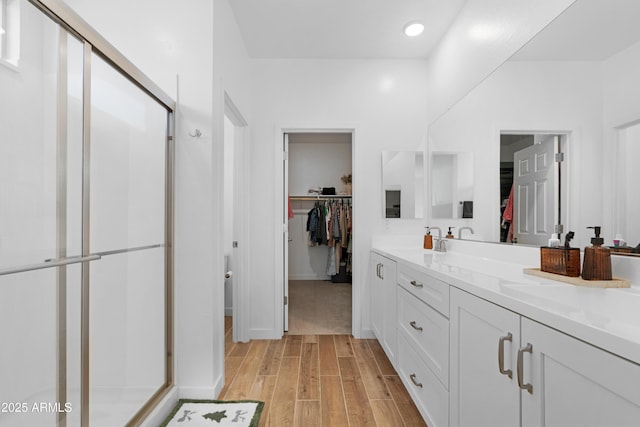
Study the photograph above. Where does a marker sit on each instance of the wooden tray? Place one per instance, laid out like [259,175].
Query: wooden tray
[579,281]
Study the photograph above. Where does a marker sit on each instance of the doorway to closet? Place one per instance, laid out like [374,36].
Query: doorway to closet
[317,267]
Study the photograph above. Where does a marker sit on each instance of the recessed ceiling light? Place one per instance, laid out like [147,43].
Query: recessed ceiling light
[414,28]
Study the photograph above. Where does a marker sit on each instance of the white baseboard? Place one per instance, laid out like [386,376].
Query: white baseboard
[264,334]
[162,410]
[308,277]
[366,334]
[199,392]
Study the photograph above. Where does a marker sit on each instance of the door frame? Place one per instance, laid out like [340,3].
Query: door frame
[240,261]
[281,222]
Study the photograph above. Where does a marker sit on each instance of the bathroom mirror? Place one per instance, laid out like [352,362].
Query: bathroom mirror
[451,185]
[403,184]
[579,77]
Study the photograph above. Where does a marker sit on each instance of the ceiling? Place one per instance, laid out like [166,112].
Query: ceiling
[342,29]
[589,30]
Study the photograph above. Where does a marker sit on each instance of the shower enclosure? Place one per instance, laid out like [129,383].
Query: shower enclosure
[86,154]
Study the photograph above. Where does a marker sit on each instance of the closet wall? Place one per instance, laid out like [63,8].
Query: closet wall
[316,160]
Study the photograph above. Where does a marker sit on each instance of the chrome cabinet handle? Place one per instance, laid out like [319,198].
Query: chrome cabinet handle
[501,341]
[413,325]
[416,284]
[382,271]
[527,349]
[378,269]
[413,380]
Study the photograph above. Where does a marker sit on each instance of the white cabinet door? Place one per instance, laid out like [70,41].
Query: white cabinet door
[480,395]
[377,284]
[576,384]
[383,315]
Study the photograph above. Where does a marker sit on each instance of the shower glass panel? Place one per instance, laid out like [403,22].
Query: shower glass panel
[128,137]
[40,224]
[127,217]
[85,230]
[127,346]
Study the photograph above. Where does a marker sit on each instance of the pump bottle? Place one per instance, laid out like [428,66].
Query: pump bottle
[597,259]
[428,239]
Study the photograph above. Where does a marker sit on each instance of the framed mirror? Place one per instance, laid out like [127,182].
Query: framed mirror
[403,184]
[569,80]
[451,185]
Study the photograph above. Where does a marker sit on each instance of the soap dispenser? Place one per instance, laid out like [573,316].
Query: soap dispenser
[597,259]
[449,233]
[428,239]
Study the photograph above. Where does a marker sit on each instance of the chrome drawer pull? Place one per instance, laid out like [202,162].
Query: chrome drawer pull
[521,352]
[416,284]
[413,380]
[501,341]
[413,325]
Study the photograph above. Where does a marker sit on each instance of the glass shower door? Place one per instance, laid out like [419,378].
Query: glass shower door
[127,211]
[85,231]
[40,227]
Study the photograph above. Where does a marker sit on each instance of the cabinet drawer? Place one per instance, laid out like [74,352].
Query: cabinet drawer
[428,330]
[429,395]
[430,290]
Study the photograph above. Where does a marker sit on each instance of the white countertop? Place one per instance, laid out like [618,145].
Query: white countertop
[606,318]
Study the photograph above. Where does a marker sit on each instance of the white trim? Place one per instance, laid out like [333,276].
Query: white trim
[358,289]
[200,392]
[162,410]
[309,277]
[240,305]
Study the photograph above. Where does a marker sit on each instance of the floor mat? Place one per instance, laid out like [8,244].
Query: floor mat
[194,413]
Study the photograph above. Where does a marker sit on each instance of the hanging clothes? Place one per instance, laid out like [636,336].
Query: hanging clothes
[329,224]
[290,213]
[507,216]
[312,225]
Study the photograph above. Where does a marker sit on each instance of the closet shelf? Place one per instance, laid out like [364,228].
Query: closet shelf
[320,197]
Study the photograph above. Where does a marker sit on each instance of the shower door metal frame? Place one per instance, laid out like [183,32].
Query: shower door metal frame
[96,44]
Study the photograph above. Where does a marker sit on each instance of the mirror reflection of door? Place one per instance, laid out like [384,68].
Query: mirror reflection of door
[392,203]
[530,188]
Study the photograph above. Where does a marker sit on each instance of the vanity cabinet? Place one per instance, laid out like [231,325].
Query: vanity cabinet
[575,383]
[508,370]
[481,394]
[423,342]
[383,294]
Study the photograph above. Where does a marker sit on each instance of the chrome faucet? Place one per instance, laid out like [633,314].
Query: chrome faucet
[439,231]
[441,244]
[464,228]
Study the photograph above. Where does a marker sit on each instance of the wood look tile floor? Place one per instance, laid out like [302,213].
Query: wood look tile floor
[318,380]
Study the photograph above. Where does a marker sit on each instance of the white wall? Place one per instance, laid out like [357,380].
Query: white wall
[384,101]
[483,36]
[318,160]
